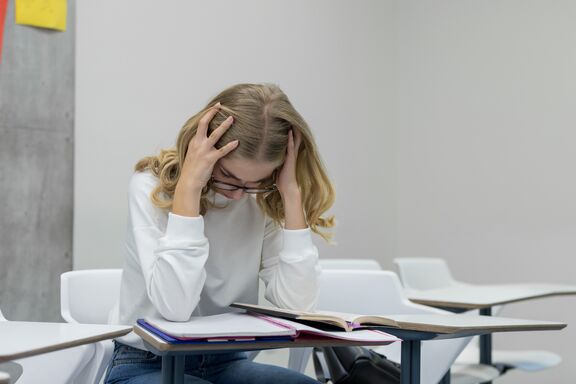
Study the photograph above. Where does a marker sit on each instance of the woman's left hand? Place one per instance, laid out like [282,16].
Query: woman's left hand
[288,186]
[286,180]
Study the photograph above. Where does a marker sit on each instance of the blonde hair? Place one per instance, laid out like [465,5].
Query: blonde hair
[263,117]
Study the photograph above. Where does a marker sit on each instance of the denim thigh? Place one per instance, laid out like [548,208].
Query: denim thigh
[129,363]
[135,366]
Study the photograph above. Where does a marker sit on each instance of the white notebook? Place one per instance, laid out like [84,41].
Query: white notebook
[223,325]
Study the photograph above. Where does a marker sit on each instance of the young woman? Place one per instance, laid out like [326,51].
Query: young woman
[235,201]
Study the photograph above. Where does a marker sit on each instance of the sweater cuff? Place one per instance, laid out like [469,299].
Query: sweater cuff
[296,243]
[184,227]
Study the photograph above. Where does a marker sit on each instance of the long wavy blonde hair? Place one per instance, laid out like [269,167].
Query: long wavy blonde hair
[263,117]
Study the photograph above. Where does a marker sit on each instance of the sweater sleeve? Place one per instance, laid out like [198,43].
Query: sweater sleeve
[172,259]
[290,268]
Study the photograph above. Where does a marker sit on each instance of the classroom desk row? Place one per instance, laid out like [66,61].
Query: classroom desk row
[24,339]
[465,297]
[461,326]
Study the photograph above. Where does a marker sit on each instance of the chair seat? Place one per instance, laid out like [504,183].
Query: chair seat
[526,360]
[473,373]
[12,369]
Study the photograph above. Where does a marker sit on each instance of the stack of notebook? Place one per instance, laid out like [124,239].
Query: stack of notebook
[251,328]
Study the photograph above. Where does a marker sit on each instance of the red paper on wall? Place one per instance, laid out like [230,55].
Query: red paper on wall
[3,6]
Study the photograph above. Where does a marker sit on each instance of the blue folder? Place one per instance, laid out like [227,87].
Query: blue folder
[173,340]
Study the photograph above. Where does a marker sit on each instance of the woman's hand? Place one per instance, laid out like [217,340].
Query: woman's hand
[288,185]
[199,163]
[286,180]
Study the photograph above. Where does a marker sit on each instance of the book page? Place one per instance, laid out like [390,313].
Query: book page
[365,335]
[346,321]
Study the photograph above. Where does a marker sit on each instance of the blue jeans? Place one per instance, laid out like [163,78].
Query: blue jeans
[134,366]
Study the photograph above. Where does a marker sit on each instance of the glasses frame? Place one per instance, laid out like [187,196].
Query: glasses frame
[234,187]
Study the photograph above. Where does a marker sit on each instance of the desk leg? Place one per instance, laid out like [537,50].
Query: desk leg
[486,343]
[410,369]
[173,369]
[179,369]
[168,369]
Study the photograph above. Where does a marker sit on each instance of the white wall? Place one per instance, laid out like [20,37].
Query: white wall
[447,126]
[485,151]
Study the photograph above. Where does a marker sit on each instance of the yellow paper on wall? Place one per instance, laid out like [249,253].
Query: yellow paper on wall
[42,13]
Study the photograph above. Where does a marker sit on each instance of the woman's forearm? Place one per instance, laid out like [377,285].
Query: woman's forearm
[293,211]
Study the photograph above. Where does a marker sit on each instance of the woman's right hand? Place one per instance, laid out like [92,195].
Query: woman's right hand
[199,163]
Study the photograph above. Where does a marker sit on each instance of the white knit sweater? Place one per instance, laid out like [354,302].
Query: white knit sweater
[179,267]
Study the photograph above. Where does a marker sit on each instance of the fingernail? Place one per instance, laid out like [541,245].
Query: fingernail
[218,105]
[230,119]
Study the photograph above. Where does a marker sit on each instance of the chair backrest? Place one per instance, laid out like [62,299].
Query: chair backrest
[380,292]
[87,296]
[365,291]
[424,273]
[369,264]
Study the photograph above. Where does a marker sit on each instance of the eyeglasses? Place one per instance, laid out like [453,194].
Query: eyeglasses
[231,187]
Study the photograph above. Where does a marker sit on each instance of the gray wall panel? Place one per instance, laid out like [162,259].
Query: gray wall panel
[36,167]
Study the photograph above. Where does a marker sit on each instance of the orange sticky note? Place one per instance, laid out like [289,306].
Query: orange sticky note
[42,13]
[3,6]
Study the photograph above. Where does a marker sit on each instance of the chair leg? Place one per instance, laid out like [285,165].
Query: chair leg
[446,378]
[298,359]
[251,355]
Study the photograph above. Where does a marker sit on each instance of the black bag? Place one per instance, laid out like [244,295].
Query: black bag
[355,365]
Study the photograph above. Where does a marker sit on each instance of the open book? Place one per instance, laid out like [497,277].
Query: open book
[436,323]
[345,321]
[241,327]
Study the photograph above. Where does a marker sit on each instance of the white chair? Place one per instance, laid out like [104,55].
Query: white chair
[298,360]
[424,273]
[87,297]
[4,378]
[469,372]
[11,370]
[380,292]
[430,273]
[63,367]
[341,290]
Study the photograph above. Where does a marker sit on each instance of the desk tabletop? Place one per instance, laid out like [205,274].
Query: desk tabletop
[473,296]
[414,327]
[20,339]
[161,346]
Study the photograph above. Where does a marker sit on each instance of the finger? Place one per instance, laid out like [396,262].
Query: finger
[227,149]
[297,139]
[290,148]
[206,119]
[218,132]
